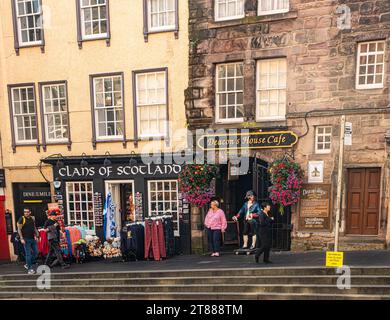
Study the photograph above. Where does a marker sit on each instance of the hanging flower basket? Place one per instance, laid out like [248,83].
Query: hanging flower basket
[194,183]
[287,180]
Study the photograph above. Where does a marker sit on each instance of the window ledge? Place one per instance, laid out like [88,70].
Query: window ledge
[253,20]
[59,143]
[107,38]
[21,144]
[25,46]
[151,32]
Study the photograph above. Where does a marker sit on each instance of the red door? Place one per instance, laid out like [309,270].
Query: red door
[4,248]
[363,201]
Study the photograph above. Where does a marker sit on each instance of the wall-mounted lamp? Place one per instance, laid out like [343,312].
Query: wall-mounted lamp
[107,162]
[132,161]
[57,183]
[83,162]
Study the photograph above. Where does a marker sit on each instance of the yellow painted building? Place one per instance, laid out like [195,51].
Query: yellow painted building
[98,81]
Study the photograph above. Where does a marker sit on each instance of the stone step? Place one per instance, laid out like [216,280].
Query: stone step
[237,280]
[260,271]
[203,296]
[377,290]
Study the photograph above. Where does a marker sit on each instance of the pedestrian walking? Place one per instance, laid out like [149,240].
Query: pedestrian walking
[265,233]
[53,230]
[29,235]
[216,224]
[249,212]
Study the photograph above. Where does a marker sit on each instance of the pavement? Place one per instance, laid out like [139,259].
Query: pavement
[377,258]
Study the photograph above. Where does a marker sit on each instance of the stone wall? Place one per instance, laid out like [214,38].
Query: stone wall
[321,59]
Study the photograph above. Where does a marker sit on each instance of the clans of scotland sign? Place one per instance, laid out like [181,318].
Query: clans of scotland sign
[247,140]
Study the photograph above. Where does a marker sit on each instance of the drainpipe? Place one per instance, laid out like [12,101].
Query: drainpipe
[339,183]
[387,187]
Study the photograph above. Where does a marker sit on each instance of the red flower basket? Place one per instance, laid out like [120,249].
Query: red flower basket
[194,183]
[287,180]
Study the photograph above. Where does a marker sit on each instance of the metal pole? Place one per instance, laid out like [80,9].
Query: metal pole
[339,183]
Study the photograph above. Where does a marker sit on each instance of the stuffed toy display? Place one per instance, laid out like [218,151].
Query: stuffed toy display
[94,246]
[112,248]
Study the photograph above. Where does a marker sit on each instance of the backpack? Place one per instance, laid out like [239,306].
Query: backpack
[24,220]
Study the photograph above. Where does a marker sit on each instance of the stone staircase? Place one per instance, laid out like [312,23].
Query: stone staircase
[211,284]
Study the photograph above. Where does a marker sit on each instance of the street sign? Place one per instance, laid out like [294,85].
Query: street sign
[348,134]
[334,259]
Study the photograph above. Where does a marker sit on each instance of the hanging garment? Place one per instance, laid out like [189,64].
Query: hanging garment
[133,242]
[69,243]
[139,231]
[109,225]
[161,239]
[169,236]
[83,231]
[152,249]
[18,246]
[43,244]
[75,235]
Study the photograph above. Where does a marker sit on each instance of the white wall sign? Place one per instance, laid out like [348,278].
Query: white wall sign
[348,134]
[316,172]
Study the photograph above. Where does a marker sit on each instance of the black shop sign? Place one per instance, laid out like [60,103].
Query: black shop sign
[2,178]
[246,139]
[117,171]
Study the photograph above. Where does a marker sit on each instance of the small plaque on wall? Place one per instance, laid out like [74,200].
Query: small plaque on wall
[316,172]
[314,207]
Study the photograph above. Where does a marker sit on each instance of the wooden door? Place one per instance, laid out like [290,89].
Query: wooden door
[363,201]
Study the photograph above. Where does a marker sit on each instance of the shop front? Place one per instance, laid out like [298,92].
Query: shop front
[34,196]
[136,191]
[255,150]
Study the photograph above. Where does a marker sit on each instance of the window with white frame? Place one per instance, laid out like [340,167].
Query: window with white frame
[229,9]
[29,22]
[230,92]
[161,15]
[80,204]
[55,109]
[370,65]
[108,105]
[93,18]
[151,98]
[163,200]
[323,140]
[24,115]
[272,6]
[271,89]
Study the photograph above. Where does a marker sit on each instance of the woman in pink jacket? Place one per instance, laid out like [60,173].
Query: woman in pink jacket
[215,222]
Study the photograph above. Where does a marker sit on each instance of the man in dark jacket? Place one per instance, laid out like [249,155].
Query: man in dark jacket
[265,233]
[53,236]
[29,235]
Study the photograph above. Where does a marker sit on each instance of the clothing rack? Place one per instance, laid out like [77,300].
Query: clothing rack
[135,223]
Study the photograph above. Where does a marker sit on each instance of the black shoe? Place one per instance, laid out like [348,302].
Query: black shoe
[267,261]
[257,259]
[65,266]
[54,263]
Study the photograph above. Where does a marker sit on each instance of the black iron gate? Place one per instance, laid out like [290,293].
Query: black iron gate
[281,229]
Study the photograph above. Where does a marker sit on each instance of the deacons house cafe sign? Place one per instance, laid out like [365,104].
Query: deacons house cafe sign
[247,139]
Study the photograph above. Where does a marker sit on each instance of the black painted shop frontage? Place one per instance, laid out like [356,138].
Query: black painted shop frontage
[233,182]
[139,190]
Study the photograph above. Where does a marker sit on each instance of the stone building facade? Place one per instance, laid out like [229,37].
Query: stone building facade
[85,57]
[335,57]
